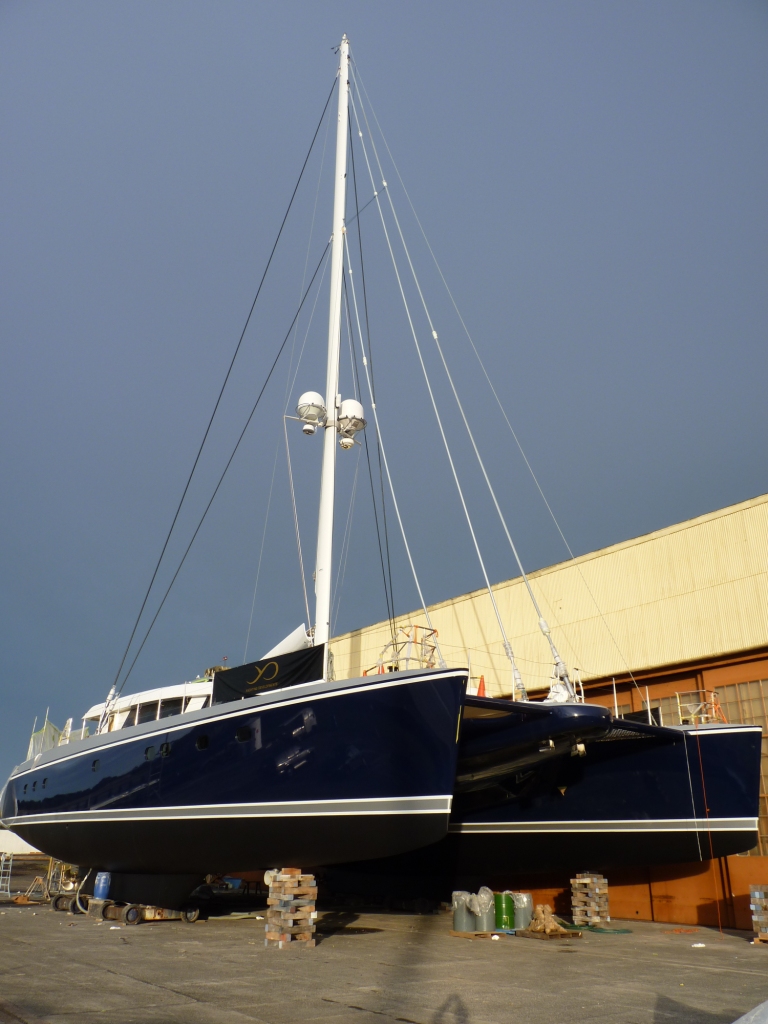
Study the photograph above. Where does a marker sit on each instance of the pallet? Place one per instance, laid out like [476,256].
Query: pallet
[528,934]
[760,940]
[475,935]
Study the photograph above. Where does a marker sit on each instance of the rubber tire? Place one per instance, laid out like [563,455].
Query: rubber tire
[131,914]
[190,914]
[104,907]
[74,909]
[61,903]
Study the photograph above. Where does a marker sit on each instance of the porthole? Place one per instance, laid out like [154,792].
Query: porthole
[95,765]
[243,734]
[45,783]
[201,742]
[149,753]
[165,749]
[25,789]
[34,785]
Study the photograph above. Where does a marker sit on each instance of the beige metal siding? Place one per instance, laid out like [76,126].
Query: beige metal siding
[695,590]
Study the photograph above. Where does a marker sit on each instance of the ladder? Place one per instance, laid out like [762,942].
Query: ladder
[6,863]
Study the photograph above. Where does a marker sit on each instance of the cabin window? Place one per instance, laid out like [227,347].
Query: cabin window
[172,706]
[165,749]
[197,703]
[95,765]
[243,734]
[147,712]
[149,753]
[201,742]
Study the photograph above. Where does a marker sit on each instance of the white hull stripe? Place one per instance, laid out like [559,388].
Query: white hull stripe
[262,702]
[659,825]
[715,730]
[372,806]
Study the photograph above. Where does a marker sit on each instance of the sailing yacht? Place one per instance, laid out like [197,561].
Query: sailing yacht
[268,763]
[276,761]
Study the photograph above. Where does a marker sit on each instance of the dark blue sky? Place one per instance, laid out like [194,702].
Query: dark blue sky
[592,177]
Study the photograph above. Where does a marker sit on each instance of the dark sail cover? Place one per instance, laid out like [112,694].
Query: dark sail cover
[269,674]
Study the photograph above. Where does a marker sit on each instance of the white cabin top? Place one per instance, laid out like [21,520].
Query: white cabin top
[150,705]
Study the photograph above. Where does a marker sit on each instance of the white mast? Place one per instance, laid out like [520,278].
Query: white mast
[323,564]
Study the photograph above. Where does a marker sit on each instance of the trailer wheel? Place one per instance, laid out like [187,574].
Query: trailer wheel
[190,914]
[130,914]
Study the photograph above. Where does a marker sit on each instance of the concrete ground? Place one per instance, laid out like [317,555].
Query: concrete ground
[367,969]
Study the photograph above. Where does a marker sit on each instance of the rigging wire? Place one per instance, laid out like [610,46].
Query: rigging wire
[441,659]
[296,518]
[387,592]
[562,672]
[388,577]
[517,679]
[220,395]
[289,387]
[341,570]
[224,473]
[261,550]
[358,77]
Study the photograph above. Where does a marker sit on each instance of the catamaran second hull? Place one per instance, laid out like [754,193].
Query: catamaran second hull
[639,795]
[642,794]
[312,774]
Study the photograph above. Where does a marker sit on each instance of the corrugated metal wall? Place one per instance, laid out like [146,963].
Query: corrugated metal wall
[692,591]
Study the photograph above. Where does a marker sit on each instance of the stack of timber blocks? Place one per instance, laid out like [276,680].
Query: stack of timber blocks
[291,908]
[589,899]
[758,904]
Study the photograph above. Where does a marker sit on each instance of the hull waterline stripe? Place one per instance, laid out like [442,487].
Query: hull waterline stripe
[261,703]
[660,825]
[366,807]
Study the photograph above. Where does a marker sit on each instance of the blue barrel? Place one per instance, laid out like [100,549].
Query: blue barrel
[101,886]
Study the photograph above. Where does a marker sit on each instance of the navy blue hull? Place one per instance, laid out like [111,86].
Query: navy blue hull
[640,795]
[312,774]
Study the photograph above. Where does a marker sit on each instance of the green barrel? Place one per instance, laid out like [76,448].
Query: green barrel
[505,910]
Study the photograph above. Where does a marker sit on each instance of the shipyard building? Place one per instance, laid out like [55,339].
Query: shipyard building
[672,625]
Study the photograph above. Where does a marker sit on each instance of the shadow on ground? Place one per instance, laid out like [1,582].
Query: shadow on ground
[670,1011]
[341,922]
[452,1011]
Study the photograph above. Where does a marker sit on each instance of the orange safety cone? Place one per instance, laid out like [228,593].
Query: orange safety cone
[481,687]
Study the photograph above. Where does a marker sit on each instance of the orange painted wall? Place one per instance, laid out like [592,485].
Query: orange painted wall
[708,893]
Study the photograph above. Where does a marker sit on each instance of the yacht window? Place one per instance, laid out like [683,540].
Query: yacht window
[196,703]
[45,783]
[165,749]
[149,753]
[243,734]
[171,706]
[125,718]
[201,742]
[147,712]
[34,785]
[95,765]
[25,787]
